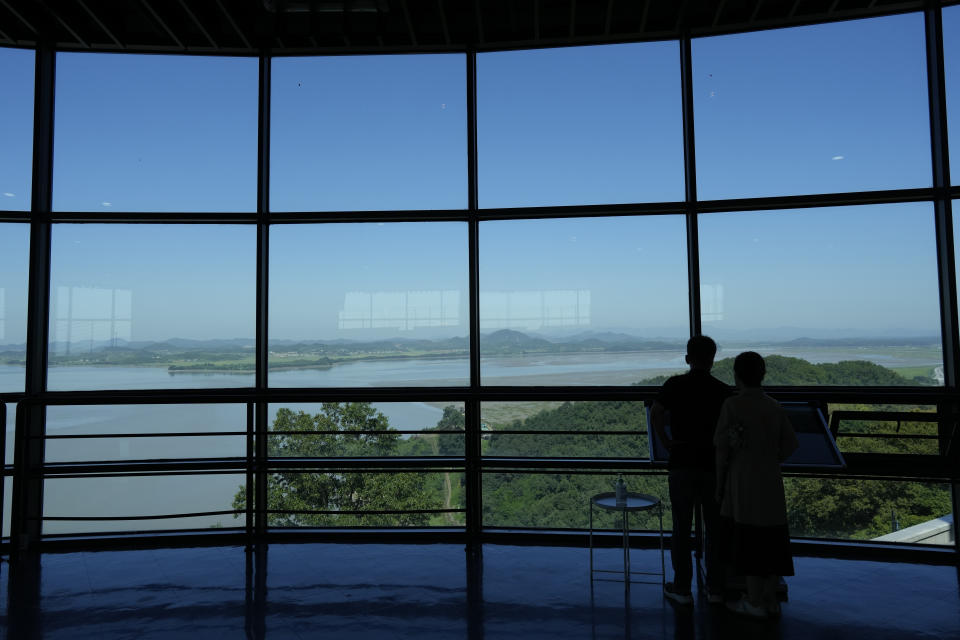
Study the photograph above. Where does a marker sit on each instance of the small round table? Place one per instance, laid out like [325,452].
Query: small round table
[634,502]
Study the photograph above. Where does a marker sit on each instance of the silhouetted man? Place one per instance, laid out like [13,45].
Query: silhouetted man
[693,400]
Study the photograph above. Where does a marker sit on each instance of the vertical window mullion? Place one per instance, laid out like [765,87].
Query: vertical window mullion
[472,422]
[690,180]
[31,428]
[262,297]
[946,260]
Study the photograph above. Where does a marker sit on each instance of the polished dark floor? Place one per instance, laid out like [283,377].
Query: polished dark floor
[432,591]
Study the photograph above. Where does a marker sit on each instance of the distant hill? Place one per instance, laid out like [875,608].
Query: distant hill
[507,339]
[919,341]
[782,370]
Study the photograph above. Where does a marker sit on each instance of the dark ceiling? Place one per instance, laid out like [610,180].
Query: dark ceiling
[369,26]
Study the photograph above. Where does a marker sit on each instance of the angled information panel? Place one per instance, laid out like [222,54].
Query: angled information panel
[817,450]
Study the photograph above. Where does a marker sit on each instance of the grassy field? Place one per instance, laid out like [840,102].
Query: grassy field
[499,415]
[910,372]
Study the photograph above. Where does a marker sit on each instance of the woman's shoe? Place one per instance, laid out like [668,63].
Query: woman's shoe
[744,608]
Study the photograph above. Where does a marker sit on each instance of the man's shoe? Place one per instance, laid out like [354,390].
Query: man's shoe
[744,608]
[670,591]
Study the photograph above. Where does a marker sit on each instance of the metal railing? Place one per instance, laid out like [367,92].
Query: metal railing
[863,466]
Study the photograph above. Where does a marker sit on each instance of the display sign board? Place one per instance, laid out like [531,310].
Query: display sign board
[817,450]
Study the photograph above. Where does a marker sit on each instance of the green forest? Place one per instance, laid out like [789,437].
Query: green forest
[854,509]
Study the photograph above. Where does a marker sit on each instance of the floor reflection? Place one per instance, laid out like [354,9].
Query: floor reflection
[439,591]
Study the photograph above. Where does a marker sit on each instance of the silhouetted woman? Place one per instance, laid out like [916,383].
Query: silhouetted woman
[753,437]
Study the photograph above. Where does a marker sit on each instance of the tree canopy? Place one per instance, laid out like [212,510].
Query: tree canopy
[849,508]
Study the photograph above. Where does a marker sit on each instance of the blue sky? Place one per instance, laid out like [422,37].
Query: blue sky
[837,107]
[580,125]
[820,109]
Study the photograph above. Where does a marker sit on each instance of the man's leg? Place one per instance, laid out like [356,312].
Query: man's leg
[713,538]
[683,490]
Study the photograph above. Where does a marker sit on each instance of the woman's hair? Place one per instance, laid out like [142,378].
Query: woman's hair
[750,368]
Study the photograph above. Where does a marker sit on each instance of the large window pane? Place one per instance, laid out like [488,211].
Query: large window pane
[841,295]
[7,504]
[11,432]
[155,133]
[69,431]
[561,500]
[580,125]
[367,429]
[951,62]
[825,108]
[124,497]
[368,133]
[366,499]
[891,511]
[514,429]
[14,255]
[582,301]
[16,128]
[369,304]
[152,306]
[886,428]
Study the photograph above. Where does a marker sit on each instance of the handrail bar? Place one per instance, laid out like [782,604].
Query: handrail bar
[154,434]
[372,512]
[152,517]
[886,395]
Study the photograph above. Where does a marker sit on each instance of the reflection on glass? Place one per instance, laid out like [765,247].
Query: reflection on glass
[835,296]
[155,133]
[16,128]
[121,497]
[580,125]
[869,510]
[503,424]
[369,304]
[818,109]
[358,499]
[64,423]
[352,133]
[152,306]
[367,429]
[557,500]
[14,252]
[582,301]
[103,315]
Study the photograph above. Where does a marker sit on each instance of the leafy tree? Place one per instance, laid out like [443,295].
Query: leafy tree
[344,492]
[860,509]
[559,500]
[817,507]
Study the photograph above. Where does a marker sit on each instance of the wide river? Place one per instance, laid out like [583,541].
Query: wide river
[190,494]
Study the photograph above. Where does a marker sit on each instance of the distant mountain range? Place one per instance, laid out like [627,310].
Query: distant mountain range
[918,341]
[502,342]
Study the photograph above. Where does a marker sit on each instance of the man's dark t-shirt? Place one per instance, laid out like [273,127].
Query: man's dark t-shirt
[693,400]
